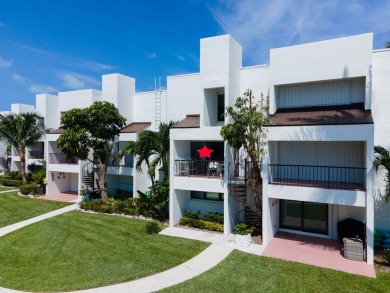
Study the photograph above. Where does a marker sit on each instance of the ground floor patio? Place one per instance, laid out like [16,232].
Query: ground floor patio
[64,196]
[315,251]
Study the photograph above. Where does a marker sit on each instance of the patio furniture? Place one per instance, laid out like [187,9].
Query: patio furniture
[354,249]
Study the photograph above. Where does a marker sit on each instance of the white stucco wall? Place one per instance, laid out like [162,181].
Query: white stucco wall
[48,107]
[77,99]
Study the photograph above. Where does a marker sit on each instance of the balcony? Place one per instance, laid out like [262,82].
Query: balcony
[36,155]
[59,158]
[330,177]
[199,168]
[126,161]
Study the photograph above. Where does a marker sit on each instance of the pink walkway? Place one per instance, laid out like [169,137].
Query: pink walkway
[66,196]
[314,251]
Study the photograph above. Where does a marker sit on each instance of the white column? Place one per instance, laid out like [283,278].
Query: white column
[370,194]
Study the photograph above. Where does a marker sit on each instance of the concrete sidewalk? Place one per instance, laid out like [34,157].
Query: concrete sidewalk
[5,191]
[8,229]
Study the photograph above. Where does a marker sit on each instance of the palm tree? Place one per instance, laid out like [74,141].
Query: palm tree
[387,44]
[382,159]
[21,131]
[151,148]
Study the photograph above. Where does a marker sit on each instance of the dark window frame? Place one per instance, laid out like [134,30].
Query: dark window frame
[221,107]
[220,196]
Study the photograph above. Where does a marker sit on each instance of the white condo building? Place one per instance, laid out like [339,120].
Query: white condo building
[328,102]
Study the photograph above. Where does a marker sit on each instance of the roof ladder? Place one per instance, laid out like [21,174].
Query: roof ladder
[157,103]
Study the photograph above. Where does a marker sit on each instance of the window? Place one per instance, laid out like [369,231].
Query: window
[207,195]
[221,107]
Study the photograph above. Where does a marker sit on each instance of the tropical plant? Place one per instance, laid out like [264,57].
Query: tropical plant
[94,128]
[151,148]
[387,44]
[243,229]
[244,129]
[382,159]
[21,131]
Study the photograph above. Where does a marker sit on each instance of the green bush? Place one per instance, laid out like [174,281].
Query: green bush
[386,255]
[212,226]
[152,227]
[201,224]
[38,176]
[14,175]
[192,214]
[10,182]
[131,211]
[28,189]
[34,168]
[243,229]
[213,217]
[119,206]
[122,194]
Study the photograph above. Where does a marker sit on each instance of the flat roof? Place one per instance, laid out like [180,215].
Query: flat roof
[328,115]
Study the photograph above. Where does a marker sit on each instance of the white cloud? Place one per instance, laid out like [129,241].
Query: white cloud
[42,89]
[259,25]
[181,57]
[5,63]
[77,81]
[20,79]
[151,56]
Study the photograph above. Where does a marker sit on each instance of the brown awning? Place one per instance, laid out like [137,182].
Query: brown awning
[57,131]
[135,127]
[330,115]
[191,121]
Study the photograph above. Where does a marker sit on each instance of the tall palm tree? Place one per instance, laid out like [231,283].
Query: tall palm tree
[382,159]
[151,148]
[21,131]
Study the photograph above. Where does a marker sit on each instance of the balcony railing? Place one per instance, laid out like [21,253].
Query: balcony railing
[36,155]
[318,176]
[198,168]
[59,158]
[126,161]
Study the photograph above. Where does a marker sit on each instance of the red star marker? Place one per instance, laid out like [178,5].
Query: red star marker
[205,152]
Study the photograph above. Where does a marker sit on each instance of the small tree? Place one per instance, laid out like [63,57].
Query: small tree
[244,130]
[382,159]
[152,148]
[94,128]
[21,131]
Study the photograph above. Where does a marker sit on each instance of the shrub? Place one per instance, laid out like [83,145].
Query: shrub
[192,214]
[34,168]
[122,194]
[152,227]
[94,205]
[213,217]
[131,211]
[386,255]
[201,224]
[243,229]
[119,206]
[10,182]
[212,226]
[38,176]
[14,175]
[28,189]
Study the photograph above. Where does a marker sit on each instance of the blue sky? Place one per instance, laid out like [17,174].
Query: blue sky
[51,46]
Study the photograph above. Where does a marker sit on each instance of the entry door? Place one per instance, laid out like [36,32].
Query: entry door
[304,216]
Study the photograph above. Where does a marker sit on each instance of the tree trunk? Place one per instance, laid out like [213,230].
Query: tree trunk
[102,180]
[23,164]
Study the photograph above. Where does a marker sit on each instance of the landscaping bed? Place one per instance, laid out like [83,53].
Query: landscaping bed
[14,208]
[79,250]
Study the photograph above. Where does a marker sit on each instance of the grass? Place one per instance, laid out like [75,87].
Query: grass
[241,272]
[5,188]
[79,250]
[14,208]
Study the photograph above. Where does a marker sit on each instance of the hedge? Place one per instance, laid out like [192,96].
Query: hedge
[201,224]
[10,182]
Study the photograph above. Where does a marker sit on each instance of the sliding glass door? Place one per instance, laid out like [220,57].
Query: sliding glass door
[304,216]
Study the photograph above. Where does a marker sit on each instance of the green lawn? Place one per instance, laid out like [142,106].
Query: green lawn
[14,208]
[241,272]
[78,250]
[4,188]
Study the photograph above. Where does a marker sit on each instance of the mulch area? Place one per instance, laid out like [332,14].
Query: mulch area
[380,261]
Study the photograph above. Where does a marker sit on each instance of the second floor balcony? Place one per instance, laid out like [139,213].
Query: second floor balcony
[36,155]
[199,168]
[59,158]
[125,161]
[331,177]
